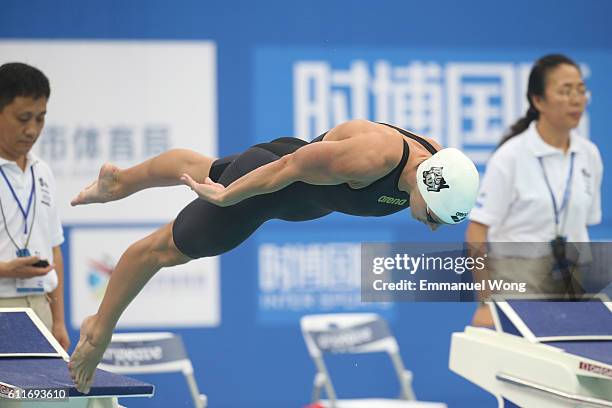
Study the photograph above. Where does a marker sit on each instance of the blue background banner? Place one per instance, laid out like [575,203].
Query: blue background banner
[256,356]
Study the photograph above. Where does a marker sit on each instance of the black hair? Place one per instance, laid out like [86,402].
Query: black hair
[536,86]
[18,79]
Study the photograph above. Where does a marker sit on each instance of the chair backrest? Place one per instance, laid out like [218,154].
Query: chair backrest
[147,353]
[351,333]
[141,353]
[347,333]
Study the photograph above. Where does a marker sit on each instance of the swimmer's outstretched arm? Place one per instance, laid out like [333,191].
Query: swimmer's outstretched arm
[358,159]
[165,169]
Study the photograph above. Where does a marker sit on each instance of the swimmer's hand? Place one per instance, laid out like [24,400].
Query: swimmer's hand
[210,191]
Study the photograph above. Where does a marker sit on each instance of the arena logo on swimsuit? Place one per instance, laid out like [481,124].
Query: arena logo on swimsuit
[392,200]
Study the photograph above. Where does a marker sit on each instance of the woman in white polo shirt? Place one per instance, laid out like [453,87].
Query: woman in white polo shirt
[541,184]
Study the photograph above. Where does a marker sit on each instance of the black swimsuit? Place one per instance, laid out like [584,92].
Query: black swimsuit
[204,229]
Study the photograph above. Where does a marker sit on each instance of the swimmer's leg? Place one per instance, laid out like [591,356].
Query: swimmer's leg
[137,265]
[166,169]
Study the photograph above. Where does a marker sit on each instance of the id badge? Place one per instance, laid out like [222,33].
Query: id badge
[558,247]
[29,285]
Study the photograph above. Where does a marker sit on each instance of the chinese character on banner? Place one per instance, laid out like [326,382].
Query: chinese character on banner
[349,93]
[121,143]
[53,145]
[409,96]
[86,144]
[481,105]
[324,98]
[156,140]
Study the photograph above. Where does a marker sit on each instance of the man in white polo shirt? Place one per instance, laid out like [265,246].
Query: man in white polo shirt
[31,267]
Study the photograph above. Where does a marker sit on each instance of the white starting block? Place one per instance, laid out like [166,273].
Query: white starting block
[34,371]
[543,354]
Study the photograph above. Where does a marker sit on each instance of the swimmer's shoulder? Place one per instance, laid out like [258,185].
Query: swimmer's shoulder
[363,129]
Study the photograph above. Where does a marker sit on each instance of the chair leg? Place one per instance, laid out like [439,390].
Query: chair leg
[199,400]
[318,383]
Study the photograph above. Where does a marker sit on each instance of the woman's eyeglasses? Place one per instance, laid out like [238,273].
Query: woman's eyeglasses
[569,93]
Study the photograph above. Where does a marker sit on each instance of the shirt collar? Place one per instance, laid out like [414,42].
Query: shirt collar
[540,148]
[31,159]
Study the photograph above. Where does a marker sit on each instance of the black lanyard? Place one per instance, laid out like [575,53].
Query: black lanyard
[566,194]
[25,212]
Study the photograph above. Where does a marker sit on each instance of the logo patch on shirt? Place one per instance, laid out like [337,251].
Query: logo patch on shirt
[43,183]
[45,193]
[587,181]
[392,200]
[433,179]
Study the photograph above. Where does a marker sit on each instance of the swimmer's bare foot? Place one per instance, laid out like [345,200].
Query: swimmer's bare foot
[105,188]
[87,355]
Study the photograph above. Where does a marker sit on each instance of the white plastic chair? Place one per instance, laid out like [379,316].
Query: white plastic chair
[151,353]
[355,333]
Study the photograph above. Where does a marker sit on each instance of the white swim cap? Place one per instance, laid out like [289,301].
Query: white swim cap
[448,182]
